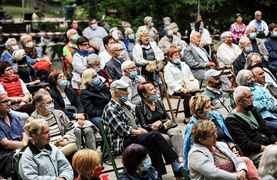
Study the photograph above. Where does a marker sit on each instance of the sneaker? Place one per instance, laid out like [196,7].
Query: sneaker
[107,160]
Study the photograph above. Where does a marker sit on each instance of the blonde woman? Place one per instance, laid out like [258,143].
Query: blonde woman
[42,160]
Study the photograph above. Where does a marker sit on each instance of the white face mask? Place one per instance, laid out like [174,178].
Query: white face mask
[29,44]
[15,47]
[122,55]
[50,108]
[94,26]
[170,32]
[175,30]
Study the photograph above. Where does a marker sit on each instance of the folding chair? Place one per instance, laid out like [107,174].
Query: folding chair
[168,97]
[107,149]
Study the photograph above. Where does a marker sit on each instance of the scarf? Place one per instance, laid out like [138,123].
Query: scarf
[177,65]
[83,53]
[31,51]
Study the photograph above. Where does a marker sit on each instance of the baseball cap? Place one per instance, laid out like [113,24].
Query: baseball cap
[212,73]
[118,84]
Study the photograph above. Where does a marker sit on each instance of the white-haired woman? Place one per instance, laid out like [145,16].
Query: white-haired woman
[175,29]
[11,46]
[227,52]
[149,26]
[268,166]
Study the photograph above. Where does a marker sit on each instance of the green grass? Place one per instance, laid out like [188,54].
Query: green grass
[16,11]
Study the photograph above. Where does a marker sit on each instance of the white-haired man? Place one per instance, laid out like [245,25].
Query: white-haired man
[260,25]
[131,77]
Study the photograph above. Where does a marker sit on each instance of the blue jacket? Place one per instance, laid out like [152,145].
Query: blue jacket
[263,101]
[188,141]
[7,56]
[31,60]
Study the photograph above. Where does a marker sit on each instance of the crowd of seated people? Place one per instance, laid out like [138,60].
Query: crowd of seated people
[116,83]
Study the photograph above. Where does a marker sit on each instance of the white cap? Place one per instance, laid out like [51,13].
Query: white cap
[18,54]
[118,84]
[212,73]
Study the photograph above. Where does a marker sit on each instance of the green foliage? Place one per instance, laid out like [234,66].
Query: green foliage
[64,2]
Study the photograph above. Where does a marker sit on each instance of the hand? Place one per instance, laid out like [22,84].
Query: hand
[168,122]
[63,142]
[36,81]
[241,175]
[21,103]
[154,127]
[210,64]
[81,116]
[142,131]
[152,62]
[57,142]
[81,122]
[186,90]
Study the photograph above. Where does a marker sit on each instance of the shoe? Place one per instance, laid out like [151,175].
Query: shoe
[107,160]
[186,120]
[178,173]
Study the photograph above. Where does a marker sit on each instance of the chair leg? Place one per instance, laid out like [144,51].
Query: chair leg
[177,110]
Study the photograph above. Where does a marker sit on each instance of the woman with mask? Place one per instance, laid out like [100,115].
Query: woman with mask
[137,164]
[41,159]
[11,46]
[227,51]
[149,27]
[152,116]
[67,100]
[201,109]
[178,76]
[94,95]
[262,100]
[271,45]
[79,62]
[87,164]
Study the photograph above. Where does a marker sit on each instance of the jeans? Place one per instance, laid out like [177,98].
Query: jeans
[95,120]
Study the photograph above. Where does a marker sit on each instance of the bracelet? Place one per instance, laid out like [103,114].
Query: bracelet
[164,125]
[16,99]
[182,89]
[24,143]
[76,117]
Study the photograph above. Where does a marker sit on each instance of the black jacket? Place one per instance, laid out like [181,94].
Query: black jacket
[145,114]
[73,98]
[94,101]
[249,139]
[152,174]
[113,69]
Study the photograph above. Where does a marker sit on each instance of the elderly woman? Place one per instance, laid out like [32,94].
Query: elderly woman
[271,45]
[227,52]
[268,167]
[79,62]
[93,61]
[11,46]
[94,95]
[87,164]
[263,101]
[152,116]
[149,27]
[41,159]
[146,53]
[178,77]
[209,159]
[175,30]
[137,164]
[67,100]
[237,28]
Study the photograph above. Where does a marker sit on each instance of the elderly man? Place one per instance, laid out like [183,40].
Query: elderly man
[169,40]
[95,34]
[197,58]
[220,100]
[260,25]
[247,127]
[113,66]
[12,136]
[122,129]
[11,46]
[166,22]
[70,48]
[131,77]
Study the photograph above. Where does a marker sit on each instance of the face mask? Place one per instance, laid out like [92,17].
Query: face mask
[275,34]
[22,61]
[259,64]
[147,163]
[252,35]
[251,84]
[75,37]
[97,172]
[248,49]
[15,47]
[131,36]
[201,28]
[75,26]
[29,44]
[133,74]
[209,115]
[63,83]
[166,24]
[94,26]
[218,85]
[122,99]
[177,61]
[152,24]
[97,70]
[229,41]
[96,81]
[50,108]
[153,98]
[170,33]
[175,30]
[249,108]
[122,55]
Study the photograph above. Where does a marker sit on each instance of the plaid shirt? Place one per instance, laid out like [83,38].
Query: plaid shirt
[116,125]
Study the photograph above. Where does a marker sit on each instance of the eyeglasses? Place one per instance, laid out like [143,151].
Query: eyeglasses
[61,76]
[49,102]
[118,50]
[7,102]
[132,68]
[85,44]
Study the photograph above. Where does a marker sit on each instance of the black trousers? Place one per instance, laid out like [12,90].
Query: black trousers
[157,146]
[186,98]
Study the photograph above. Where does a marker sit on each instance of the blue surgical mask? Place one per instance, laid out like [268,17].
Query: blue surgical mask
[147,163]
[248,49]
[153,98]
[166,24]
[152,24]
[252,35]
[133,74]
[75,37]
[63,83]
[97,70]
[274,34]
[123,99]
[96,81]
[131,36]
[201,28]
[209,115]
[177,61]
[251,84]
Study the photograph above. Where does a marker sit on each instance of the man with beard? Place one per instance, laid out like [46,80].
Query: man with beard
[247,127]
[220,100]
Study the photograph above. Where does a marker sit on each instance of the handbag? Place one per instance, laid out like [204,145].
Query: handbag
[192,85]
[152,67]
[42,64]
[163,129]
